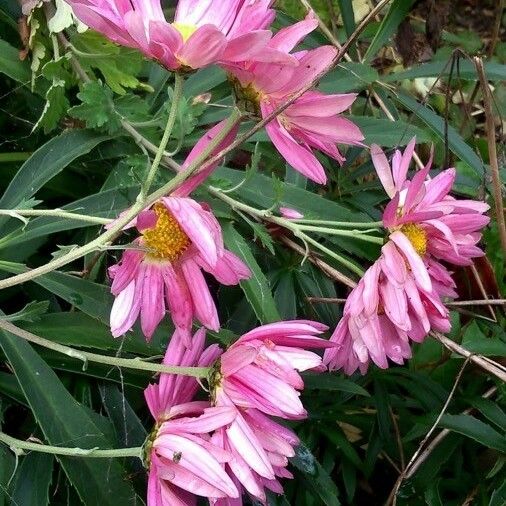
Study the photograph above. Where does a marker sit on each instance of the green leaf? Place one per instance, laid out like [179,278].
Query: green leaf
[476,429]
[476,342]
[48,161]
[318,480]
[382,131]
[332,382]
[256,289]
[432,497]
[7,466]
[11,65]
[491,410]
[346,10]
[63,421]
[498,497]
[33,479]
[31,312]
[79,329]
[467,70]
[347,77]
[55,108]
[398,11]
[436,124]
[96,108]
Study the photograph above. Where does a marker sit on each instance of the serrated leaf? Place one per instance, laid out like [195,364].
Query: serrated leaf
[33,479]
[256,289]
[63,421]
[96,108]
[55,108]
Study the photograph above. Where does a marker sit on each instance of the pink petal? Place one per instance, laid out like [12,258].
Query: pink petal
[205,46]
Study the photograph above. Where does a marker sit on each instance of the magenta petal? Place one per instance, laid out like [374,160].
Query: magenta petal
[205,46]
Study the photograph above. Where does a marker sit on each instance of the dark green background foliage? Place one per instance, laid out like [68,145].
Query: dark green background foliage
[62,145]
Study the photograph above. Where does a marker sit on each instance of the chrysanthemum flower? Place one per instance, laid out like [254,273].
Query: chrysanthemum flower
[183,462]
[179,238]
[435,223]
[399,297]
[313,120]
[261,369]
[202,32]
[393,303]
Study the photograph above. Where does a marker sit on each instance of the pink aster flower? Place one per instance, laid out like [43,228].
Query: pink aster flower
[202,32]
[261,369]
[394,303]
[183,461]
[313,121]
[179,238]
[260,449]
[436,224]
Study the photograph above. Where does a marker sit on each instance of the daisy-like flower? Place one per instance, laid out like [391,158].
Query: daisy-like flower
[179,239]
[202,32]
[313,121]
[393,303]
[436,224]
[399,297]
[261,369]
[183,462]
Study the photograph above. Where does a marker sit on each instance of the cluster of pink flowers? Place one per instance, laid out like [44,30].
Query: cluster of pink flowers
[231,443]
[220,447]
[400,296]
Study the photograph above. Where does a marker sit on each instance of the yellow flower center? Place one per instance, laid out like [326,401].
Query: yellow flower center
[166,240]
[186,31]
[248,97]
[417,237]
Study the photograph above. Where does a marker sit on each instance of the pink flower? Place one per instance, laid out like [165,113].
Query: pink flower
[312,121]
[202,33]
[182,460]
[179,238]
[436,224]
[393,303]
[260,451]
[291,214]
[261,369]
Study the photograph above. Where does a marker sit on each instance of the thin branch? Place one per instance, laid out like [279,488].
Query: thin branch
[492,151]
[457,303]
[398,483]
[55,213]
[85,357]
[485,363]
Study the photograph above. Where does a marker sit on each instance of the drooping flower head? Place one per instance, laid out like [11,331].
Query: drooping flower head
[179,238]
[259,377]
[313,120]
[399,297]
[202,32]
[183,462]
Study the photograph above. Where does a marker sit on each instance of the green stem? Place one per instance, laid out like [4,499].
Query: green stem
[357,234]
[55,213]
[345,224]
[344,261]
[18,444]
[176,99]
[110,234]
[85,357]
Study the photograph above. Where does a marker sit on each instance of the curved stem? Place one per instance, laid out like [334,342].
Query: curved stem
[176,98]
[96,453]
[85,357]
[110,234]
[16,213]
